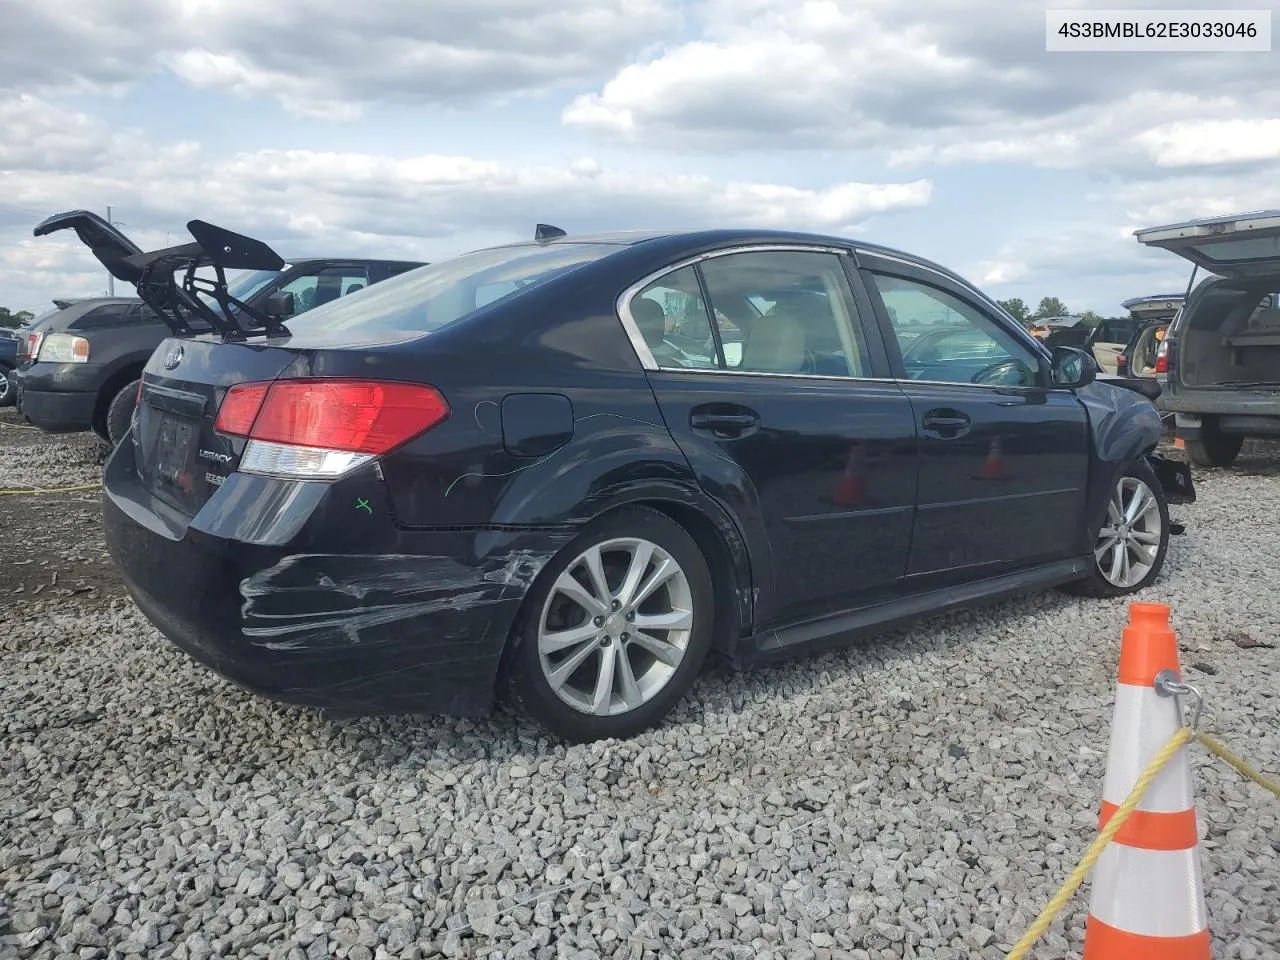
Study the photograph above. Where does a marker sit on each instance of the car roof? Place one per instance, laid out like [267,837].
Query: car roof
[1153,298]
[730,235]
[298,261]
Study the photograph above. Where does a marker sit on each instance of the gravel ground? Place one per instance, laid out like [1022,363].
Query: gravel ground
[921,795]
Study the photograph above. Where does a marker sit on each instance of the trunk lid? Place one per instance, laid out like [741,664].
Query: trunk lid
[109,245]
[1243,245]
[179,456]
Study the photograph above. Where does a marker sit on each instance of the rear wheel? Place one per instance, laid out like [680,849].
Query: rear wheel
[1212,447]
[120,412]
[1129,548]
[615,629]
[8,391]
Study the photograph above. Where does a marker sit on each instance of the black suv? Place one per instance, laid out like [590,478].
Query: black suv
[1219,361]
[83,370]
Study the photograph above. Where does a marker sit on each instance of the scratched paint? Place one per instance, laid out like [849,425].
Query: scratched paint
[306,600]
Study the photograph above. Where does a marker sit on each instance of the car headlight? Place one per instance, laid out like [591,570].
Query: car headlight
[63,348]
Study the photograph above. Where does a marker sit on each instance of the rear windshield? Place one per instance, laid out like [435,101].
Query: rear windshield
[428,298]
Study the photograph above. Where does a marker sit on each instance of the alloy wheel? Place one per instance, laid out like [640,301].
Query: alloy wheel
[616,626]
[1129,541]
[6,387]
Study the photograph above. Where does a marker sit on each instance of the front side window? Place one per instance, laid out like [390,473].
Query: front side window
[944,339]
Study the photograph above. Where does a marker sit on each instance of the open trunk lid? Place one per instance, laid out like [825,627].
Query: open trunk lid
[180,302]
[1243,245]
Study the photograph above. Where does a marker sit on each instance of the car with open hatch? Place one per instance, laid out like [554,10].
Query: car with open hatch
[84,371]
[538,470]
[1220,356]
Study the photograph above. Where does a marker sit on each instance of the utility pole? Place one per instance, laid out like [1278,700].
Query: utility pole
[111,280]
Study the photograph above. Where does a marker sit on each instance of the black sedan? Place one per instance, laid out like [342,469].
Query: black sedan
[542,469]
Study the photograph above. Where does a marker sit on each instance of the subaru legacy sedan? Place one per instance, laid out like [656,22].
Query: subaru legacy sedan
[510,474]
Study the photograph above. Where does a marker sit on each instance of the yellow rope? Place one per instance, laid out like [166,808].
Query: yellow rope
[1216,747]
[1054,906]
[83,486]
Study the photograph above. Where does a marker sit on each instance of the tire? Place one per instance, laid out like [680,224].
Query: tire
[120,413]
[1149,529]
[8,391]
[574,709]
[1212,448]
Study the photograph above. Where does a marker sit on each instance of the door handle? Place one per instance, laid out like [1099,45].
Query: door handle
[724,424]
[947,424]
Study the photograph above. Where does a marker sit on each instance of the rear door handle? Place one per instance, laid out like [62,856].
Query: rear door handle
[724,424]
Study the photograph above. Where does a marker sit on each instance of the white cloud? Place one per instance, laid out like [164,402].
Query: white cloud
[305,201]
[329,58]
[1200,143]
[937,81]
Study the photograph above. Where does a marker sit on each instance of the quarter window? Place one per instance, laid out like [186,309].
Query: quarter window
[944,339]
[672,317]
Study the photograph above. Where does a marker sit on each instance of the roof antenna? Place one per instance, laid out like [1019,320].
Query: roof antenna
[544,232]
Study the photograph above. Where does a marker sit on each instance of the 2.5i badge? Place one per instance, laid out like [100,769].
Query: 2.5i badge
[214,479]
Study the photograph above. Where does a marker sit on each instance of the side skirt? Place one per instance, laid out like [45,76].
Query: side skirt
[841,628]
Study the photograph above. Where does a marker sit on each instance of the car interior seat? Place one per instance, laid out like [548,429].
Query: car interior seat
[650,319]
[353,288]
[776,344]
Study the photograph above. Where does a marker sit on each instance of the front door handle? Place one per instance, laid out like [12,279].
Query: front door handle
[946,424]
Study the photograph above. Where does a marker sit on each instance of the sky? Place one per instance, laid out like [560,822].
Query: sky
[425,128]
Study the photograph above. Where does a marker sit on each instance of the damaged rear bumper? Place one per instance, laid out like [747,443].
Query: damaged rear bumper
[419,628]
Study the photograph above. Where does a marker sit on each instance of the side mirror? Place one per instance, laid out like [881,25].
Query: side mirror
[279,304]
[1073,367]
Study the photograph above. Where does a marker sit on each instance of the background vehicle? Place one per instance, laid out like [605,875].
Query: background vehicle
[1108,340]
[1151,316]
[84,375]
[424,493]
[8,361]
[1221,354]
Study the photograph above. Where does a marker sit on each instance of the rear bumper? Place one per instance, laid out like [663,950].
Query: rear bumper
[417,625]
[1190,426]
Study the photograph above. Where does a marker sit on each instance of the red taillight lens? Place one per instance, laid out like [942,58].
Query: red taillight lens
[356,416]
[1162,357]
[239,408]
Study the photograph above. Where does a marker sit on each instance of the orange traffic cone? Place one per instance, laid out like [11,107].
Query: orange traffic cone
[852,488]
[993,466]
[1148,895]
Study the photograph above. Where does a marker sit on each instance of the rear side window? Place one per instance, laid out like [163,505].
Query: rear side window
[435,296]
[110,315]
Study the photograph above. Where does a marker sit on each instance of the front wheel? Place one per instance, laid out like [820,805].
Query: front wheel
[615,630]
[8,392]
[1129,549]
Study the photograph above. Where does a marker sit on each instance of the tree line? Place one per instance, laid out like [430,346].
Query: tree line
[1049,307]
[13,320]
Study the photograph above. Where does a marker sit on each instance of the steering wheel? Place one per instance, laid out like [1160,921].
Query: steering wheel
[1005,372]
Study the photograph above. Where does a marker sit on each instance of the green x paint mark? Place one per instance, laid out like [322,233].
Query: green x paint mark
[363,504]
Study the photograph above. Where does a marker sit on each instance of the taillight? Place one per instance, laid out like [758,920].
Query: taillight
[1162,357]
[239,408]
[320,429]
